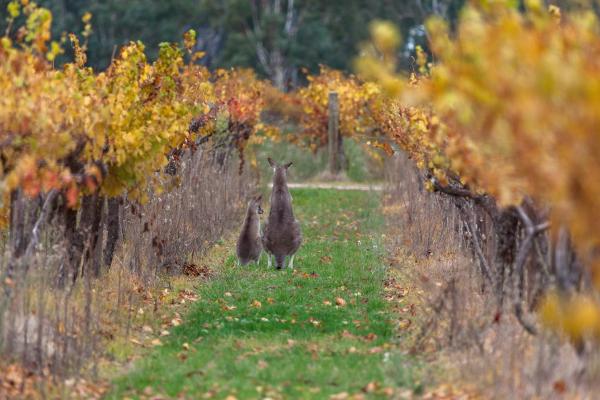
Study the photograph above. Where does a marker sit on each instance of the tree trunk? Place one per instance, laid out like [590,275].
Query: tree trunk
[17,223]
[89,226]
[113,222]
[74,246]
[334,141]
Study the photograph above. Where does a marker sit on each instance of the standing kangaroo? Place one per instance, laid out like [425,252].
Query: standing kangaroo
[282,236]
[249,245]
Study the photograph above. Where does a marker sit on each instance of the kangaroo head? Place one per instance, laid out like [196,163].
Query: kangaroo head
[279,171]
[255,205]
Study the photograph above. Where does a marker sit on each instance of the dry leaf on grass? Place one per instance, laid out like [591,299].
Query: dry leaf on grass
[370,337]
[370,387]
[339,396]
[326,259]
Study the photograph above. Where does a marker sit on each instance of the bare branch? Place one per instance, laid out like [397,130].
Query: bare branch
[483,263]
[485,201]
[43,217]
[531,231]
[289,18]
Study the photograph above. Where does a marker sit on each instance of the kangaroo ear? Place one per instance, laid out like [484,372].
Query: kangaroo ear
[271,162]
[288,165]
[259,198]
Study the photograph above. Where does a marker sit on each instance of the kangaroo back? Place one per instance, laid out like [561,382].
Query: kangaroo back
[282,236]
[249,244]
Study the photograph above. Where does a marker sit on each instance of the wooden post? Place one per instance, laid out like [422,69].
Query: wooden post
[333,133]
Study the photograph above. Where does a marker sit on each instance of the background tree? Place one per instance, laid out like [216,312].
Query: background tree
[278,38]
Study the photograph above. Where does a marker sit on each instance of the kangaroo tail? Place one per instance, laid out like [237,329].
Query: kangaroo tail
[279,260]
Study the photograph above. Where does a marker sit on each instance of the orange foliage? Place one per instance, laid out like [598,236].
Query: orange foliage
[78,131]
[510,107]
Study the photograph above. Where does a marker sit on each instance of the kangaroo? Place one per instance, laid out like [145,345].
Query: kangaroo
[281,236]
[249,244]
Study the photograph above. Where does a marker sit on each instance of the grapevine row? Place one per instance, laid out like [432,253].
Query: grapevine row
[70,137]
[80,132]
[505,118]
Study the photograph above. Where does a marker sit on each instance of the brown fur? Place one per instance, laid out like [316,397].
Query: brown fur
[249,244]
[282,235]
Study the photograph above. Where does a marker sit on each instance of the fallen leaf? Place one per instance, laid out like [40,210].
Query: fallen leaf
[14,376]
[348,335]
[186,346]
[560,386]
[340,302]
[156,342]
[270,300]
[339,396]
[256,304]
[326,260]
[404,323]
[370,387]
[370,337]
[165,333]
[327,302]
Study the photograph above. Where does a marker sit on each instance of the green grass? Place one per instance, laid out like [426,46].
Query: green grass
[294,345]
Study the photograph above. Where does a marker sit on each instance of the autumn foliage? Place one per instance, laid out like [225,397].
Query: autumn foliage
[81,132]
[508,108]
[355,99]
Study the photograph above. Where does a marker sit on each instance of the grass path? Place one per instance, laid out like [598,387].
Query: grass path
[336,185]
[321,330]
